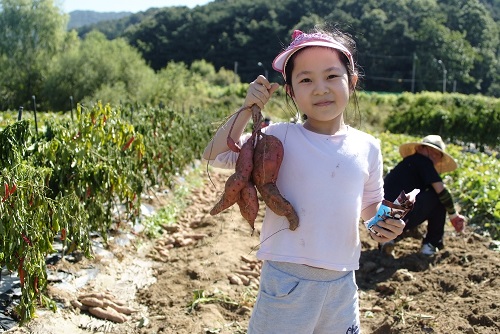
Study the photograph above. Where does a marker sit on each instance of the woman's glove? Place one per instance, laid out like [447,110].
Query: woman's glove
[458,222]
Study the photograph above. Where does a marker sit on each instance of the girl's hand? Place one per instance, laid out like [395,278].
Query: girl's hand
[387,230]
[259,92]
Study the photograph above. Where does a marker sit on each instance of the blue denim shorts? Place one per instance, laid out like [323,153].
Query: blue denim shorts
[295,298]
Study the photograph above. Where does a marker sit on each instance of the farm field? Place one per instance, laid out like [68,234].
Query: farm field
[186,289]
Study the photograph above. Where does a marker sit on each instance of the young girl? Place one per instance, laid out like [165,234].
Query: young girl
[332,175]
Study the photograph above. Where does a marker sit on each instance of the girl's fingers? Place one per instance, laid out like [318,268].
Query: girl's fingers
[260,95]
[260,91]
[378,238]
[263,81]
[257,94]
[390,228]
[258,100]
[274,87]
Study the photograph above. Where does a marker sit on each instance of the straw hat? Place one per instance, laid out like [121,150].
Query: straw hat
[447,163]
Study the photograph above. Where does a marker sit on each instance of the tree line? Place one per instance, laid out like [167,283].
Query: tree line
[403,45]
[450,45]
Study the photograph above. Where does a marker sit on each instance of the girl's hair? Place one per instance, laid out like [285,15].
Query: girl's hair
[344,39]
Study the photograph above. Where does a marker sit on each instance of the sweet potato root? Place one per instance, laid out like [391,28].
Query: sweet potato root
[268,156]
[276,202]
[231,194]
[249,203]
[239,180]
[244,164]
[256,167]
[107,314]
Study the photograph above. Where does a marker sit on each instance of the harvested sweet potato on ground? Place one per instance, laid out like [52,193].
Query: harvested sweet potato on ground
[92,302]
[107,314]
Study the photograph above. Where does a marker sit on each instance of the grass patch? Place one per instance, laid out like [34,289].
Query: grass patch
[179,195]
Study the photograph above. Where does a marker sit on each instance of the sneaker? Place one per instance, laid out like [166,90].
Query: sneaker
[387,248]
[428,249]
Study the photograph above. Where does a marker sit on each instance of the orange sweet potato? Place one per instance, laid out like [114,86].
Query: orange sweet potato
[268,156]
[276,202]
[249,203]
[231,194]
[238,181]
[244,164]
[256,167]
[107,314]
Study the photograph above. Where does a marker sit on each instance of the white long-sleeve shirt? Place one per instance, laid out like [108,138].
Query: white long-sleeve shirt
[329,180]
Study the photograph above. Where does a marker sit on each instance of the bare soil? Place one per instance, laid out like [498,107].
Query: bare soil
[184,281]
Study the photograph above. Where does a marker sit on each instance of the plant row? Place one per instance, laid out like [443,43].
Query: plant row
[460,118]
[71,179]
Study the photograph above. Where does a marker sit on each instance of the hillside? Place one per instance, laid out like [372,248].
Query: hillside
[81,18]
[241,33]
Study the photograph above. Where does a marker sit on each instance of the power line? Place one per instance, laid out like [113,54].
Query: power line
[388,79]
[386,57]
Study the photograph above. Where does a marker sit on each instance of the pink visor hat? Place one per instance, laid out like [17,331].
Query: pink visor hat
[302,40]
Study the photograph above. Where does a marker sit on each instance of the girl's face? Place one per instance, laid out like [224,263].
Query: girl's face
[320,88]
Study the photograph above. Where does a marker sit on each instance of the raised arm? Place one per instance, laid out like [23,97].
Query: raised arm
[259,92]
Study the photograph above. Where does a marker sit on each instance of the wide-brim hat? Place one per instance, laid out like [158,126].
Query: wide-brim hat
[301,40]
[446,164]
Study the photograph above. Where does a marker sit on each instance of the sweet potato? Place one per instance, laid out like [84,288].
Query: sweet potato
[236,182]
[249,203]
[107,314]
[92,302]
[268,156]
[256,167]
[231,194]
[244,163]
[278,204]
[119,308]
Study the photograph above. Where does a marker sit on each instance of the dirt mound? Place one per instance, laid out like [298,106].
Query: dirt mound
[202,277]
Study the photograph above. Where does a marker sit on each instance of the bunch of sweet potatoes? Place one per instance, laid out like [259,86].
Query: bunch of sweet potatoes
[257,168]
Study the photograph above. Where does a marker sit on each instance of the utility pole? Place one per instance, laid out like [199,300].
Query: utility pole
[265,69]
[444,74]
[235,69]
[413,72]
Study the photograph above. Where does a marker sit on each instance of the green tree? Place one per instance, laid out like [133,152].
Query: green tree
[31,33]
[98,69]
[472,19]
[460,33]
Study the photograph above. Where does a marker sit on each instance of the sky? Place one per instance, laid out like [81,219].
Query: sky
[133,6]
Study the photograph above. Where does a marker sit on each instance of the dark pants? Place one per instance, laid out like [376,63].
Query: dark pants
[428,207]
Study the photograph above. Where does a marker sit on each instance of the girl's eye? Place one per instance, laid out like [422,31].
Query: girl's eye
[332,76]
[305,80]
